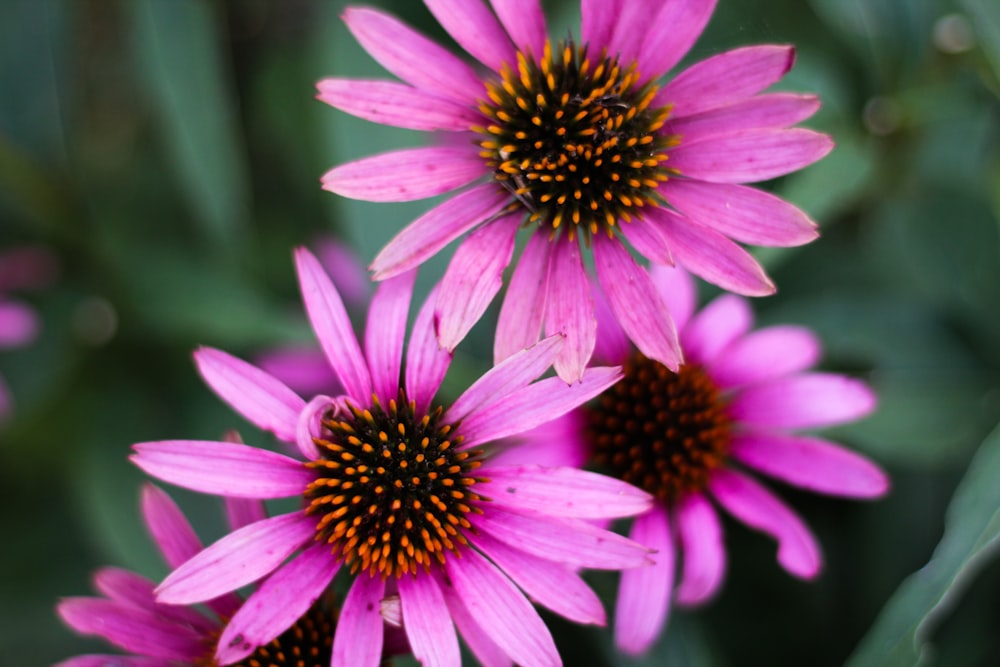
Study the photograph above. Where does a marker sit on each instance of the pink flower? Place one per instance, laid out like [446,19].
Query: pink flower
[690,438]
[396,491]
[585,142]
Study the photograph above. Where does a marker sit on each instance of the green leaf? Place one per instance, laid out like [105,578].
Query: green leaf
[986,19]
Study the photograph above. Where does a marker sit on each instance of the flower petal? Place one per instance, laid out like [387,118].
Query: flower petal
[130,589]
[612,345]
[302,369]
[405,175]
[520,322]
[750,156]
[475,636]
[806,400]
[810,463]
[771,110]
[678,291]
[243,511]
[597,23]
[476,29]
[168,526]
[427,622]
[758,508]
[718,324]
[396,105]
[672,33]
[385,333]
[114,661]
[558,443]
[570,309]
[358,638]
[631,24]
[643,603]
[764,355]
[426,361]
[18,325]
[704,562]
[524,21]
[648,241]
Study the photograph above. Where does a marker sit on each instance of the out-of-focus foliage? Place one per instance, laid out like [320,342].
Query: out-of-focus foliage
[169,151]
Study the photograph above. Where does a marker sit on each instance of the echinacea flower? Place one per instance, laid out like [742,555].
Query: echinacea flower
[690,439]
[129,617]
[583,143]
[396,492]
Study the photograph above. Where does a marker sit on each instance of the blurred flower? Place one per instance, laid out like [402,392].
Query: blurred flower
[581,141]
[398,492]
[691,436]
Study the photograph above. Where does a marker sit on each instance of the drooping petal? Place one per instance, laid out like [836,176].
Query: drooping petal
[426,361]
[243,511]
[597,23]
[168,526]
[672,33]
[332,326]
[636,303]
[678,291]
[263,400]
[519,324]
[764,355]
[524,21]
[18,325]
[476,637]
[704,561]
[239,558]
[129,589]
[570,309]
[496,604]
[397,105]
[405,175]
[643,603]
[427,622]
[360,629]
[385,333]
[771,111]
[476,29]
[612,345]
[758,508]
[562,492]
[750,156]
[311,423]
[441,225]
[473,278]
[223,468]
[807,400]
[718,324]
[810,463]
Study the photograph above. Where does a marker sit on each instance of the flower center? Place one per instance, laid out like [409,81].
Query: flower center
[661,431]
[392,491]
[573,138]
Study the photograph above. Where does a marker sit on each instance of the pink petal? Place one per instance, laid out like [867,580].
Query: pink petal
[725,78]
[573,542]
[263,400]
[397,105]
[114,661]
[710,255]
[432,231]
[558,443]
[524,21]
[744,214]
[597,23]
[553,585]
[477,638]
[704,562]
[427,622]
[613,345]
[717,325]
[520,322]
[643,603]
[278,603]
[473,278]
[223,468]
[803,401]
[570,309]
[495,603]
[168,526]
[648,241]
[811,463]
[239,558]
[772,111]
[562,492]
[18,325]
[536,404]
[302,369]
[672,33]
[130,589]
[750,156]
[311,423]
[476,30]
[636,303]
[405,175]
[426,361]
[243,511]
[758,508]
[678,291]
[385,333]
[631,24]
[358,639]
[332,326]
[764,355]
[345,268]
[412,57]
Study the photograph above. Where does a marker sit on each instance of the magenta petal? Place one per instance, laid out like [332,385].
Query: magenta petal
[396,105]
[310,423]
[648,241]
[405,175]
[385,333]
[302,369]
[597,23]
[426,361]
[332,326]
[475,636]
[631,23]
[758,508]
[358,638]
[278,603]
[570,309]
[636,303]
[643,603]
[536,404]
[239,558]
[496,604]
[168,526]
[613,345]
[573,542]
[704,562]
[243,511]
[771,111]
[130,589]
[764,355]
[428,625]
[131,629]
[223,468]
[524,21]
[749,156]
[742,213]
[114,661]
[672,33]
[718,324]
[520,322]
[710,255]
[811,463]
[678,291]
[476,29]
[558,443]
[18,325]
[563,492]
[411,56]
[441,225]
[262,399]
[807,400]
[552,585]
[473,278]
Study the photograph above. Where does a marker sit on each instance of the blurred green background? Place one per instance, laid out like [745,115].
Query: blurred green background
[168,153]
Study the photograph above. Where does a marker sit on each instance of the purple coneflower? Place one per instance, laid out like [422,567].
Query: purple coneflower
[690,438]
[396,491]
[583,143]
